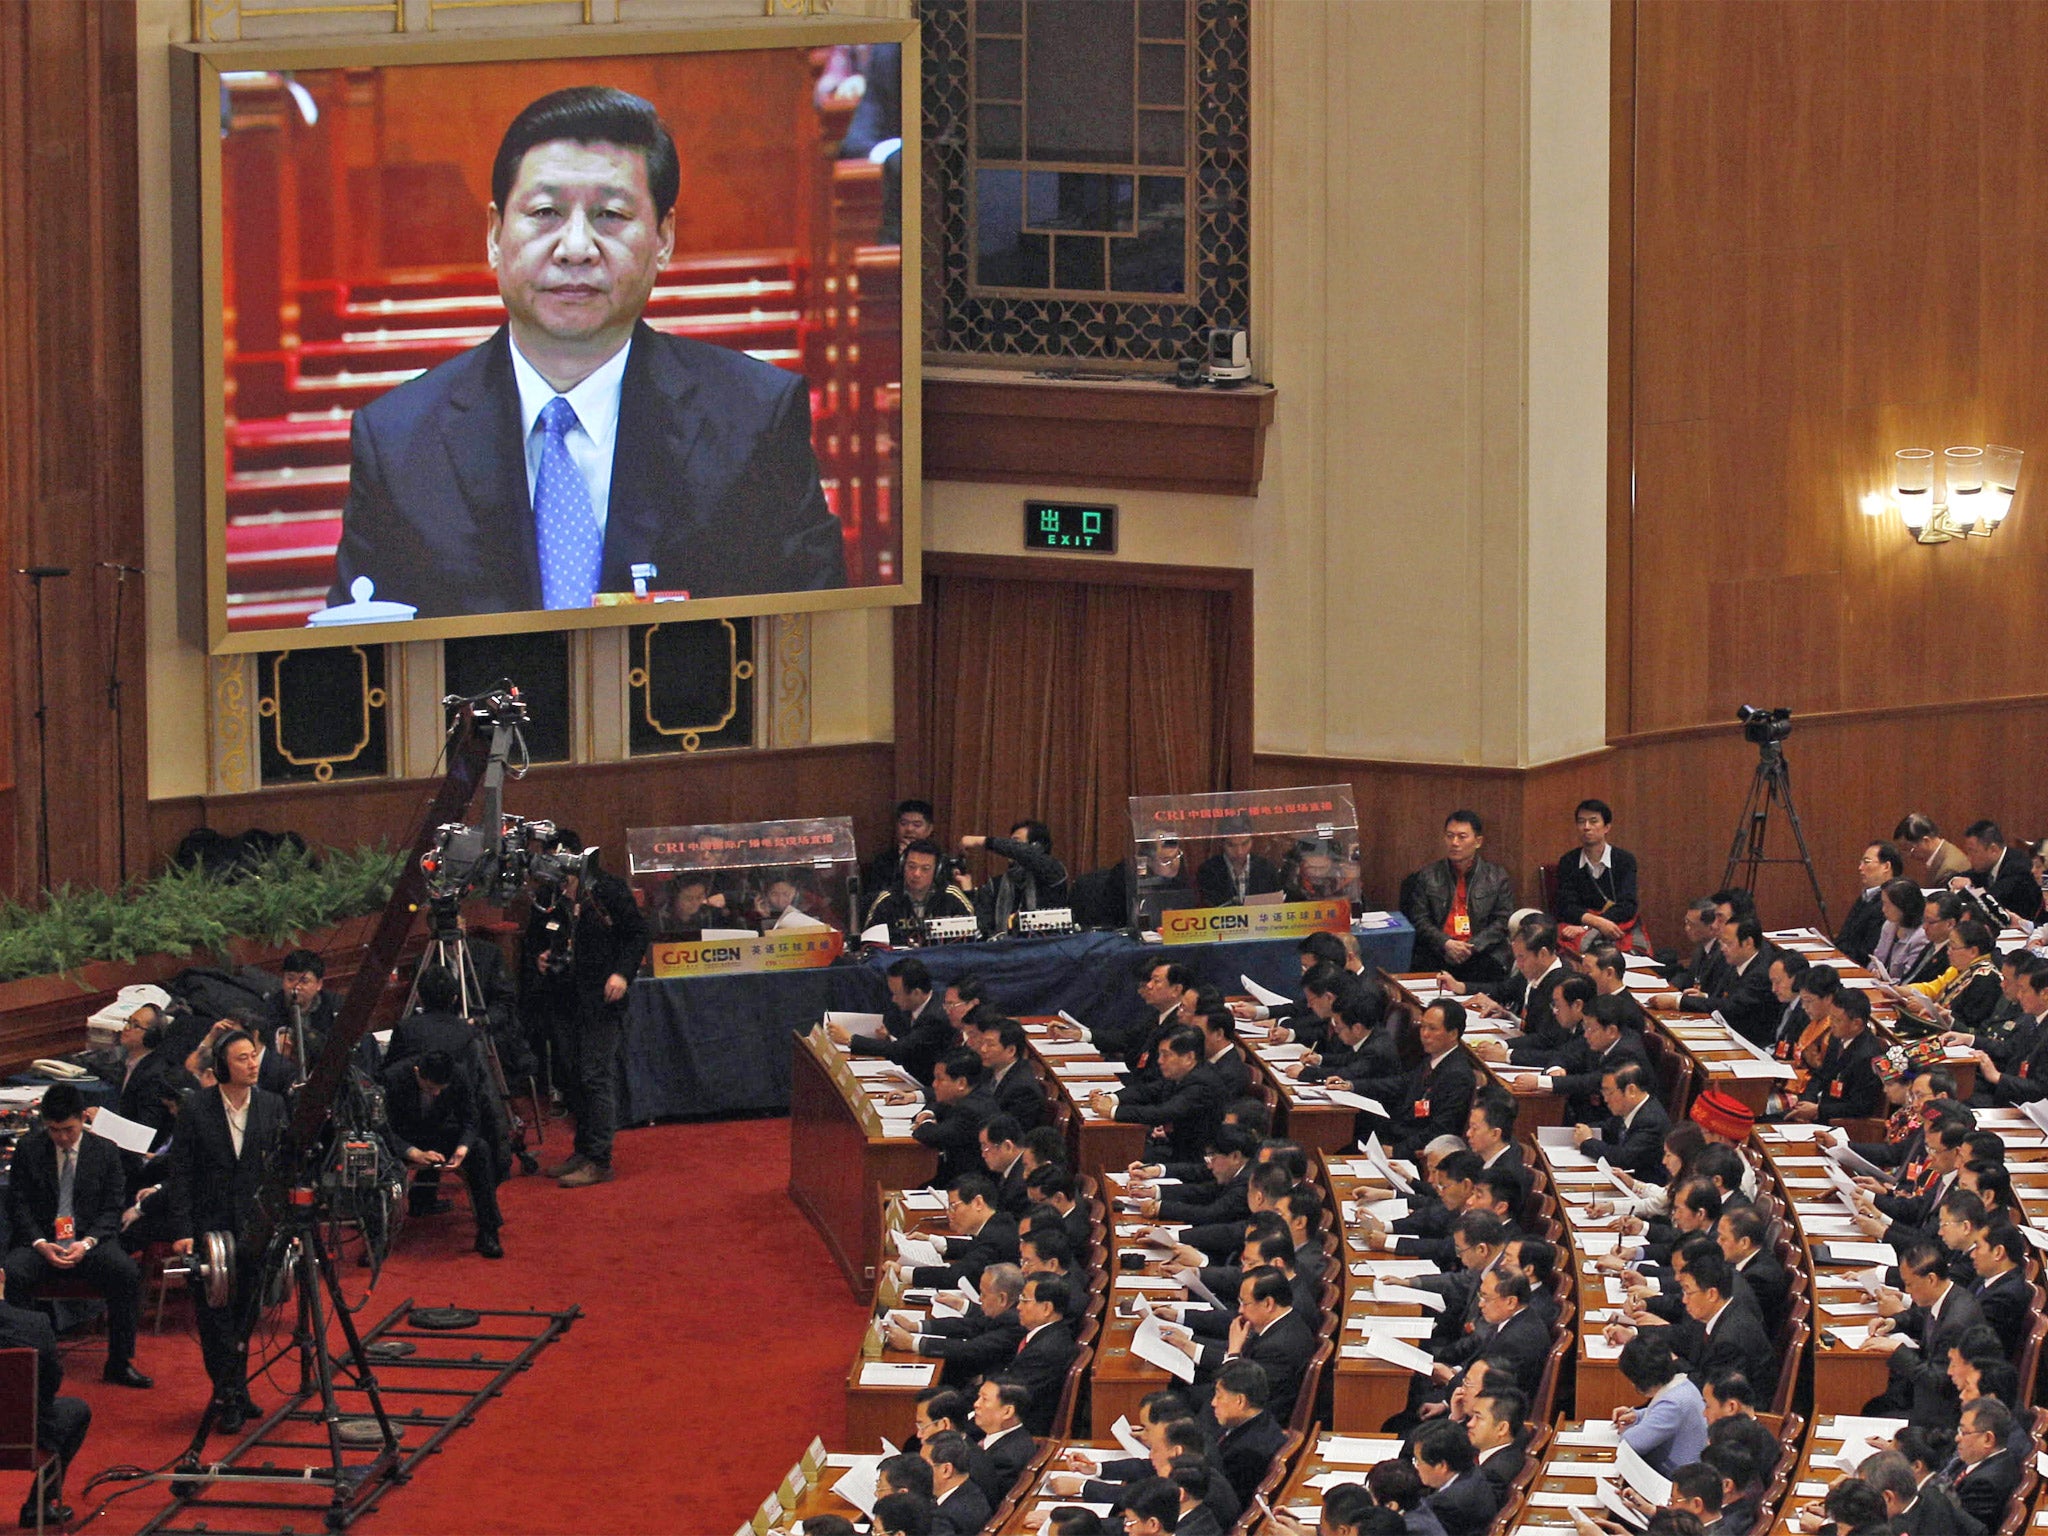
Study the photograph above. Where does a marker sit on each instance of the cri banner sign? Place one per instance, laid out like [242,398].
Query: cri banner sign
[1281,920]
[799,949]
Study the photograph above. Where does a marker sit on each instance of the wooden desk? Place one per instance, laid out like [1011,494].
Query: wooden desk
[839,1164]
[875,1413]
[1823,1441]
[1297,1498]
[1365,1392]
[1099,1146]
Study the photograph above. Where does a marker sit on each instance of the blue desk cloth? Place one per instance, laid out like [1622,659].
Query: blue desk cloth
[719,1045]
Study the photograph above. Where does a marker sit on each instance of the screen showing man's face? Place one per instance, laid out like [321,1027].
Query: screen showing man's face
[577,247]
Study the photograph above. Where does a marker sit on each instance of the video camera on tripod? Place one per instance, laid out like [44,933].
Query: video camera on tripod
[330,1167]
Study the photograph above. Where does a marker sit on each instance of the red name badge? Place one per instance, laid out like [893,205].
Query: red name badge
[67,1229]
[1834,1090]
[1422,1109]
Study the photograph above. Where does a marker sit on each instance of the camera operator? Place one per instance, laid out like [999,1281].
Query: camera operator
[587,944]
[304,974]
[224,1139]
[66,1191]
[435,1125]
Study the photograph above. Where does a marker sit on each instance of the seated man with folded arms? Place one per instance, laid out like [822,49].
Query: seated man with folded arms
[985,1336]
[1460,905]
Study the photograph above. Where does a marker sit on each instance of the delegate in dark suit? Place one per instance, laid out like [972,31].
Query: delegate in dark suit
[2005,1300]
[1247,1451]
[1580,1085]
[1466,1505]
[1736,1342]
[1860,929]
[1183,1113]
[1985,1489]
[1284,1351]
[61,1422]
[99,1193]
[914,1042]
[962,1512]
[1634,1144]
[1040,1367]
[954,1132]
[1021,1096]
[1847,1087]
[1743,998]
[1436,1101]
[713,484]
[1219,887]
[213,1189]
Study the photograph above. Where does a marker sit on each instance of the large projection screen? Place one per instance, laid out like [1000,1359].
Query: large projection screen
[371,348]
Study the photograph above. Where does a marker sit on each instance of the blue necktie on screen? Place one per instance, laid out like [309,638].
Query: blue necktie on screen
[571,545]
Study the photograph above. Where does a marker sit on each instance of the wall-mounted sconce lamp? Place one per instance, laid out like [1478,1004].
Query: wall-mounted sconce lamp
[1958,493]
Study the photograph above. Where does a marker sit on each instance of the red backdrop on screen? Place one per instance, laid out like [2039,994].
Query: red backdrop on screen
[353,220]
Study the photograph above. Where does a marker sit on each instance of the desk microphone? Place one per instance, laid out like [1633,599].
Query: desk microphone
[40,571]
[125,570]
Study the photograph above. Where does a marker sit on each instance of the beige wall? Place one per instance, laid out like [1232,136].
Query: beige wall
[1430,219]
[1429,273]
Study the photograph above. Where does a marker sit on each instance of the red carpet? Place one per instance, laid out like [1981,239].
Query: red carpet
[714,1344]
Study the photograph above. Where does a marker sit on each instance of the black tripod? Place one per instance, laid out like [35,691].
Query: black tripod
[446,946]
[297,1247]
[1771,783]
[37,575]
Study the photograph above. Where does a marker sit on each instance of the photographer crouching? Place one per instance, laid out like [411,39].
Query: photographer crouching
[585,944]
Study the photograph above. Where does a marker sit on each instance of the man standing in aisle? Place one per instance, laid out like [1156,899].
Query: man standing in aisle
[607,939]
[225,1136]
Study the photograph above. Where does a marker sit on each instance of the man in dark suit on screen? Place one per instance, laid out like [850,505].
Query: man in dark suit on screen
[544,466]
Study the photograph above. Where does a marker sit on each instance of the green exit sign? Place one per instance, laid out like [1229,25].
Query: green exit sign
[1089,530]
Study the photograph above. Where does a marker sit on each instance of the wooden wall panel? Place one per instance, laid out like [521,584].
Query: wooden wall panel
[70,424]
[1678,798]
[1832,252]
[598,800]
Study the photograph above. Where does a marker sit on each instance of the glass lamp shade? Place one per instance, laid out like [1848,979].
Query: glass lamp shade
[2001,481]
[1963,472]
[1913,486]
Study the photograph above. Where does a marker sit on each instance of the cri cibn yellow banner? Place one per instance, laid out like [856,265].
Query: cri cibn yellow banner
[1281,920]
[799,950]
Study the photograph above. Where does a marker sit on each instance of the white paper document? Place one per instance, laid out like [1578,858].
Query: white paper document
[892,1373]
[1384,1346]
[869,1024]
[128,1135]
[1359,1450]
[1264,996]
[1402,1327]
[1407,1295]
[1149,1344]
